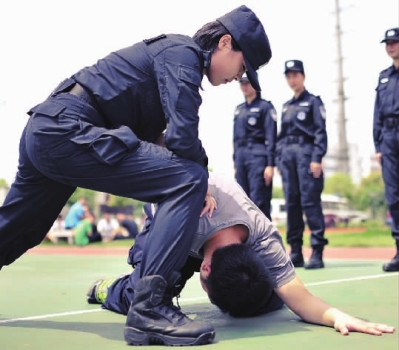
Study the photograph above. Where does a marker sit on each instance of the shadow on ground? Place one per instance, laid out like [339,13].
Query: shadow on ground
[227,328]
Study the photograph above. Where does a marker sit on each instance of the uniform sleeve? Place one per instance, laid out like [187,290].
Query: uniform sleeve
[270,125]
[377,123]
[320,133]
[179,79]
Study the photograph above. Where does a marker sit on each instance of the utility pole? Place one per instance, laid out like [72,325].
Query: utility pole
[342,155]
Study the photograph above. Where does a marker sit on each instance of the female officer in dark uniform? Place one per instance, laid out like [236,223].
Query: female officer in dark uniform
[255,134]
[98,130]
[386,135]
[302,143]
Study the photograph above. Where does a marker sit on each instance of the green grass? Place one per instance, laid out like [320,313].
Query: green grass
[375,235]
[114,244]
[371,237]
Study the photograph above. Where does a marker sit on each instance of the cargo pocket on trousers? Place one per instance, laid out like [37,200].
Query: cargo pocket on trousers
[109,146]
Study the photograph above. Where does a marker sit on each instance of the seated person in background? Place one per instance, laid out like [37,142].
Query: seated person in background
[107,227]
[243,267]
[75,213]
[127,227]
[83,231]
[58,226]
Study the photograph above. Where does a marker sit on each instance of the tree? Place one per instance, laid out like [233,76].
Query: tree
[3,183]
[371,194]
[278,192]
[83,192]
[340,184]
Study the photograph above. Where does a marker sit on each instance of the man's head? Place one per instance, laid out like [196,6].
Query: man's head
[295,74]
[391,40]
[237,281]
[82,200]
[238,43]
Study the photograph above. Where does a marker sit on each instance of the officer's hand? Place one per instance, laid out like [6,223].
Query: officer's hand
[209,204]
[378,157]
[268,175]
[345,324]
[315,169]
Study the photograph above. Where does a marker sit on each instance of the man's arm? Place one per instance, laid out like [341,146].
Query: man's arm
[314,310]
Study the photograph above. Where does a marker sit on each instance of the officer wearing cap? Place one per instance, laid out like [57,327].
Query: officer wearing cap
[386,135]
[99,128]
[301,146]
[254,138]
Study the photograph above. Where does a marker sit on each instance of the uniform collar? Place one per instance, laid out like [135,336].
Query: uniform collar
[303,94]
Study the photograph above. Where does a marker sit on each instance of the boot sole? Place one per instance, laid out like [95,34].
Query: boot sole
[313,267]
[136,337]
[299,263]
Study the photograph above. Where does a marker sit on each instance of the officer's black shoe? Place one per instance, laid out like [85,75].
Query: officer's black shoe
[296,255]
[152,320]
[316,259]
[393,265]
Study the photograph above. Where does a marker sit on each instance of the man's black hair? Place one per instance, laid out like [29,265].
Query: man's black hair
[239,282]
[209,35]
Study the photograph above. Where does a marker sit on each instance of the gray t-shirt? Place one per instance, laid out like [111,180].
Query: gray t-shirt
[234,207]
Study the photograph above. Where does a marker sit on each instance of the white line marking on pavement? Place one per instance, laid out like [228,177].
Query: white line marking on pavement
[352,279]
[81,312]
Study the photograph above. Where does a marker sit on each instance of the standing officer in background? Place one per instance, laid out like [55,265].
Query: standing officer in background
[386,135]
[255,134]
[99,130]
[301,145]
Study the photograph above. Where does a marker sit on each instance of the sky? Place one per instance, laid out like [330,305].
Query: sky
[44,41]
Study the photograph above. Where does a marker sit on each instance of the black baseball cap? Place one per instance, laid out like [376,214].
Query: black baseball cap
[391,34]
[294,65]
[244,79]
[247,30]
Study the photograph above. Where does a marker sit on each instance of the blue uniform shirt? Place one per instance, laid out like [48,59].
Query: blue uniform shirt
[386,102]
[152,86]
[257,123]
[306,117]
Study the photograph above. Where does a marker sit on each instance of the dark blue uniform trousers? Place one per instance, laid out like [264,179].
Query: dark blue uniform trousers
[250,168]
[390,173]
[302,195]
[60,149]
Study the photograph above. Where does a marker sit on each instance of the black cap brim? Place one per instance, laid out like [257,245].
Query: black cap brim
[252,76]
[389,39]
[293,69]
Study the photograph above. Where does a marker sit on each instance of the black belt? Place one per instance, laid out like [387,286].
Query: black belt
[298,139]
[246,142]
[391,123]
[78,91]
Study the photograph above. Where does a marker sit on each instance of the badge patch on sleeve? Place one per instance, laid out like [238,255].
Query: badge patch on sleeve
[322,111]
[273,114]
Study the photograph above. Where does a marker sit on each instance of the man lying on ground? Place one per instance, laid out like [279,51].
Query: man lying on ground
[243,267]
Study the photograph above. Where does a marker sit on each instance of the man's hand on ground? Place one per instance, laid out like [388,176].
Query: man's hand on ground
[346,324]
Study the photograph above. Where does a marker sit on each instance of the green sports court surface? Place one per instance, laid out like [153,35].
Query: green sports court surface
[43,306]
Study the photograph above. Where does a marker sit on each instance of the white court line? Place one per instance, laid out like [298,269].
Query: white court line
[80,312]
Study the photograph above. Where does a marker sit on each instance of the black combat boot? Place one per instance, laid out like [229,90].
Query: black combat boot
[296,255]
[316,259]
[393,265]
[154,320]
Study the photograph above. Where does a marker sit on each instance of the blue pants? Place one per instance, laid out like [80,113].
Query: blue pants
[302,195]
[61,149]
[250,166]
[390,174]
